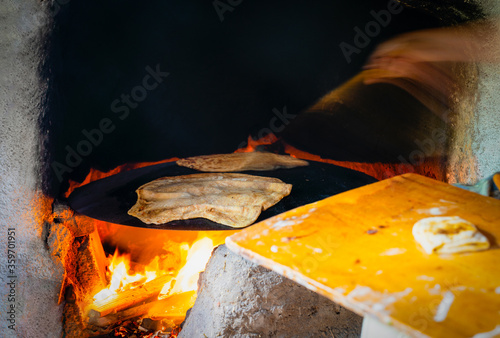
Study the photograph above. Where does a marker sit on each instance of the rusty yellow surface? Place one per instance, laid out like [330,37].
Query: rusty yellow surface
[357,249]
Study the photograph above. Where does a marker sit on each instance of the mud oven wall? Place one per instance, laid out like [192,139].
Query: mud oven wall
[31,279]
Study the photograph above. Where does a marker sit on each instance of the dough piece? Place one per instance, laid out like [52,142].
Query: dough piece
[447,235]
[235,200]
[258,161]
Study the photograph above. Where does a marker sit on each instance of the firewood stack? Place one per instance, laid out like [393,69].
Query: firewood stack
[140,313]
[140,309]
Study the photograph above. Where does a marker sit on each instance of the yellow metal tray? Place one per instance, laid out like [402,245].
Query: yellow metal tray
[357,249]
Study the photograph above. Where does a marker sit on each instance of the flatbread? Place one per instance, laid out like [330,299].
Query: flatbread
[448,235]
[235,200]
[257,161]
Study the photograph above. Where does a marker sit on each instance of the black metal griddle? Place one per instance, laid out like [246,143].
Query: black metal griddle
[110,198]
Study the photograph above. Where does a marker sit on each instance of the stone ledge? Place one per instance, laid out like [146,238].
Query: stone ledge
[237,298]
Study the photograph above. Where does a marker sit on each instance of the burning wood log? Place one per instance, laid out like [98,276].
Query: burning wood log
[174,306]
[128,298]
[117,317]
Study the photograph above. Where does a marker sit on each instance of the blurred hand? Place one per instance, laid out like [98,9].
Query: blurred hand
[477,41]
[422,61]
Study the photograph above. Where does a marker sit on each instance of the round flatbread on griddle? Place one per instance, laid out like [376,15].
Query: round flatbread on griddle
[235,200]
[258,161]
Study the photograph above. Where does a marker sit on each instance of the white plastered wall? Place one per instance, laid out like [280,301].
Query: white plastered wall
[486,143]
[22,206]
[475,149]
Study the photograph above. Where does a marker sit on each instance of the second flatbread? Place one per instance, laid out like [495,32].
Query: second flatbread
[258,161]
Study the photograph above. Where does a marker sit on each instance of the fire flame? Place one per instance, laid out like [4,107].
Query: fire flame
[179,292]
[252,144]
[187,278]
[120,278]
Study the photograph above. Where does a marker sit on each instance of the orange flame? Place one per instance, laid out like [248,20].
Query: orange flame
[187,278]
[121,279]
[180,291]
[252,144]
